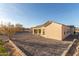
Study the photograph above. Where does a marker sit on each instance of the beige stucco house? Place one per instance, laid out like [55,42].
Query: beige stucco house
[53,30]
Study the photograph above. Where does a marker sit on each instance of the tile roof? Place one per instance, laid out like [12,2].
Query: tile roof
[49,22]
[45,24]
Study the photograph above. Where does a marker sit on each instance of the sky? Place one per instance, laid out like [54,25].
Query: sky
[30,14]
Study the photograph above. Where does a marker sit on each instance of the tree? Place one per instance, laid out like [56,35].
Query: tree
[19,27]
[9,30]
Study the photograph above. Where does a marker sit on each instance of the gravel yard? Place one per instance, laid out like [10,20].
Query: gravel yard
[38,46]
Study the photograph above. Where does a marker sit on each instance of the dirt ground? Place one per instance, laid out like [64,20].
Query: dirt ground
[33,45]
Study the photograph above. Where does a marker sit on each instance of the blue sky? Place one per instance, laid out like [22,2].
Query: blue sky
[34,14]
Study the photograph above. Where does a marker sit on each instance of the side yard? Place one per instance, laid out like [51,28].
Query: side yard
[33,45]
[39,46]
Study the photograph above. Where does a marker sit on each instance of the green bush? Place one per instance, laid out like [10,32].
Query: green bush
[3,51]
[1,42]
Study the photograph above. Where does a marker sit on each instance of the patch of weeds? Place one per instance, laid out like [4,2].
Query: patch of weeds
[78,43]
[3,51]
[1,42]
[4,54]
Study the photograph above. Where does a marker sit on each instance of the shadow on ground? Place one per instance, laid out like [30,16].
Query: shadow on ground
[72,37]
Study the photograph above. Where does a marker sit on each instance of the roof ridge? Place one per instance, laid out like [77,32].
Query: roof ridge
[49,22]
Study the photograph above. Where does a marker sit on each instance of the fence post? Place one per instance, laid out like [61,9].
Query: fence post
[17,49]
[67,50]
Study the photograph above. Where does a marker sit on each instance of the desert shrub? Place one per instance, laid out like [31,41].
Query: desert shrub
[9,30]
[3,51]
[1,42]
[77,42]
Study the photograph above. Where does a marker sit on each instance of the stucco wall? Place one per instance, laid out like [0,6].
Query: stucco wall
[66,31]
[53,31]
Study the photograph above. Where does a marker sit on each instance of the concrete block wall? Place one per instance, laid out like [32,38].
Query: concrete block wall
[71,49]
[17,51]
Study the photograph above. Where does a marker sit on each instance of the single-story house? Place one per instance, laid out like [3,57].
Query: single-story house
[53,30]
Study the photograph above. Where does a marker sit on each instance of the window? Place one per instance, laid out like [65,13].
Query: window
[64,33]
[35,31]
[43,31]
[39,31]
